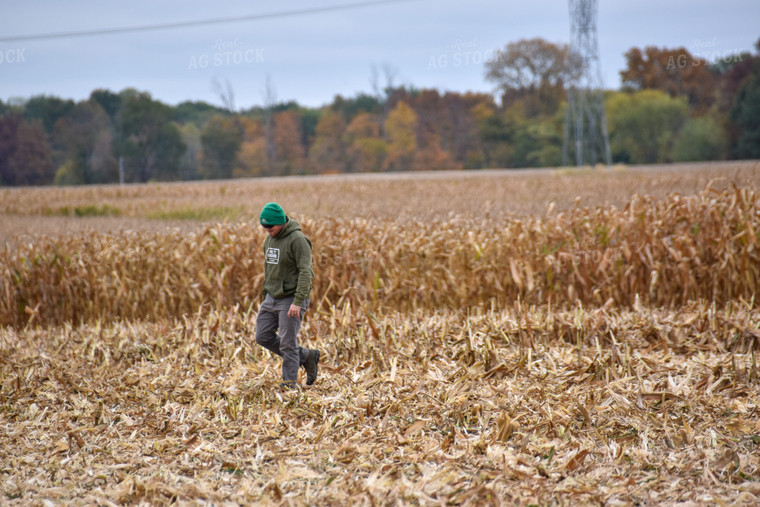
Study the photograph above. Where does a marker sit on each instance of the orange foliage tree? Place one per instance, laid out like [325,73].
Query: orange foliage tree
[674,71]
[252,158]
[365,149]
[328,153]
[400,129]
[288,150]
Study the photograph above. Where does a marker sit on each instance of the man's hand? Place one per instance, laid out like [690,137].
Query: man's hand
[294,311]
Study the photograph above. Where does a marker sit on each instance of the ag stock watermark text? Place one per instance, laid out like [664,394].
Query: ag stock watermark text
[224,53]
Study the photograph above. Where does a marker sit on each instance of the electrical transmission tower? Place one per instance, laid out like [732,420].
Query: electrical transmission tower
[586,136]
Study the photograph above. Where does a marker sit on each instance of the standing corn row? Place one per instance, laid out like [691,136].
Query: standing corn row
[662,253]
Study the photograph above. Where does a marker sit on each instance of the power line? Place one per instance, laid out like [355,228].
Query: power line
[202,22]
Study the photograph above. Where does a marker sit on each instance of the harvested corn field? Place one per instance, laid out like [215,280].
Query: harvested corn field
[508,407]
[594,352]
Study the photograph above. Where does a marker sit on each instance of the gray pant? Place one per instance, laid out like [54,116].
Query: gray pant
[273,315]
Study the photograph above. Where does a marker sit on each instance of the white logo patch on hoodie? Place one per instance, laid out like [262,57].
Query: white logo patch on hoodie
[273,255]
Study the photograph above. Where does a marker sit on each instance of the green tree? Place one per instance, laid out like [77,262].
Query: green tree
[643,125]
[109,101]
[220,140]
[47,110]
[309,121]
[83,136]
[189,166]
[496,138]
[362,103]
[150,142]
[700,138]
[537,144]
[198,113]
[167,151]
[746,116]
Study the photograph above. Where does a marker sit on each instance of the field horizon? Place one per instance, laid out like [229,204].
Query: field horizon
[29,212]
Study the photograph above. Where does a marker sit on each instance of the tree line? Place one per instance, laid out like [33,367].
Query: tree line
[673,106]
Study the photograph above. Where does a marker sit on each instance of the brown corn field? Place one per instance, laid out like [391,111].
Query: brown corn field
[548,351]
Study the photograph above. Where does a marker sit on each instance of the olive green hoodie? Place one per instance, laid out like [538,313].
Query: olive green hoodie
[287,264]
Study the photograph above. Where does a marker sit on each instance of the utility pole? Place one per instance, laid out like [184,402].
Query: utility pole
[585,136]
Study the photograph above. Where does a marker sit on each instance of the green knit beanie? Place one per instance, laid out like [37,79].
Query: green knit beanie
[272,214]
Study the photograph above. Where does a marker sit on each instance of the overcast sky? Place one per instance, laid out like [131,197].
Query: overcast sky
[312,57]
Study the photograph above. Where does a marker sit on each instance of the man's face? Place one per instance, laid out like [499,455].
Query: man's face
[274,230]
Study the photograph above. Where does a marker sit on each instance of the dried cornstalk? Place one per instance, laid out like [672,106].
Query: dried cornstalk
[663,253]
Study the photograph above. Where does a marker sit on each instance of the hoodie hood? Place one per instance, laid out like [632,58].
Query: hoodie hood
[291,226]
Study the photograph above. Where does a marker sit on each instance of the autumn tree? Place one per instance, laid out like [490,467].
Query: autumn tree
[286,138]
[673,71]
[430,154]
[447,128]
[328,153]
[533,72]
[252,157]
[434,132]
[732,75]
[365,149]
[464,143]
[400,129]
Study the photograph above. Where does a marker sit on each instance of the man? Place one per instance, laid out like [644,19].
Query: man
[288,274]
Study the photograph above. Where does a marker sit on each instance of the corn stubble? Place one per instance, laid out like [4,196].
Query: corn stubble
[652,406]
[597,355]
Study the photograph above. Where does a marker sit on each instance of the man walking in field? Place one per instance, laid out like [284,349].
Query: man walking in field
[288,275]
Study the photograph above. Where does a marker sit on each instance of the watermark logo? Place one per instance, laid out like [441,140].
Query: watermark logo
[12,56]
[463,53]
[226,52]
[704,52]
[345,258]
[703,45]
